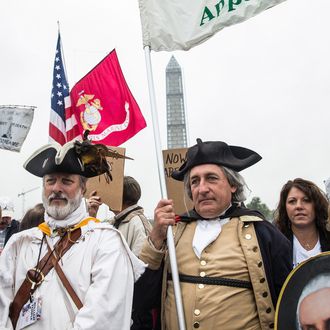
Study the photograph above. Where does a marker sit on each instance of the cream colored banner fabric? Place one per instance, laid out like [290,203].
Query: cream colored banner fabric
[15,122]
[180,25]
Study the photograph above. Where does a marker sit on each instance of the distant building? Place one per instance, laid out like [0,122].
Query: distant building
[176,119]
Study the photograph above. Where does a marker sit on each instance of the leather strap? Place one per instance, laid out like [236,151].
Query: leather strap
[66,283]
[213,281]
[31,283]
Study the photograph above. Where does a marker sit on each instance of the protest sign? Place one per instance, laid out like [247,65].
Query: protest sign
[111,192]
[173,159]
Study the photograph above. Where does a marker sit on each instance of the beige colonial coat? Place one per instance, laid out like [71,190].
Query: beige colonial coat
[234,254]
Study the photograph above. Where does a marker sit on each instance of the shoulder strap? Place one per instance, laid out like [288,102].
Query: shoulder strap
[147,225]
[118,220]
[45,265]
[66,283]
[145,222]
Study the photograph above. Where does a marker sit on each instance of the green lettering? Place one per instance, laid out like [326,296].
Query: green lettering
[232,3]
[206,15]
[218,8]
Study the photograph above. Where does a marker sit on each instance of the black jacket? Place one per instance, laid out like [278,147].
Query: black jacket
[324,241]
[12,229]
[276,253]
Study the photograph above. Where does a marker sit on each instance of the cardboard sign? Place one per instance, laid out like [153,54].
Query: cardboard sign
[111,193]
[173,159]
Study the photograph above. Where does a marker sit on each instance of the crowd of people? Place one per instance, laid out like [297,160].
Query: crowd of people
[62,268]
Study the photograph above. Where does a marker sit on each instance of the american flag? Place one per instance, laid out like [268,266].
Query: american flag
[62,126]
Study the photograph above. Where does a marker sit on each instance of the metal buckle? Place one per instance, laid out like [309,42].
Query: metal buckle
[40,273]
[69,235]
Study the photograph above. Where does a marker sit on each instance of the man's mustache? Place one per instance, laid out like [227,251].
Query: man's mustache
[57,196]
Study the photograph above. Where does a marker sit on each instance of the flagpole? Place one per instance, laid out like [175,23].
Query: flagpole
[161,176]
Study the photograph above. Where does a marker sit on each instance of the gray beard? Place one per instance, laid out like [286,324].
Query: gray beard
[61,212]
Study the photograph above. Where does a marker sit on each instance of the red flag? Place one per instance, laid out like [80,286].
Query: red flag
[103,104]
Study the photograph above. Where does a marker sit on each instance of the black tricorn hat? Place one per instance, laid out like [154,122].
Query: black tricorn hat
[219,153]
[74,157]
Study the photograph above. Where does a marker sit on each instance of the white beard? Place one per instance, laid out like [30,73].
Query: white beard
[61,212]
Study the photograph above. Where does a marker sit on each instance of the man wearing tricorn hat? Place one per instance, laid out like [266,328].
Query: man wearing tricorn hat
[72,272]
[231,262]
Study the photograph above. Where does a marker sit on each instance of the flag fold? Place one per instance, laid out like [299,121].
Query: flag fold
[15,125]
[180,25]
[103,104]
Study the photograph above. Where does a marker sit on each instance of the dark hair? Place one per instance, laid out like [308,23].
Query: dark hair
[33,217]
[131,191]
[317,197]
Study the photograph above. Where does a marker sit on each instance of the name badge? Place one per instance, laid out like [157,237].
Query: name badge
[30,313]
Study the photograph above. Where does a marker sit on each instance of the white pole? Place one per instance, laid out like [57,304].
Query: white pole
[161,175]
[23,193]
[185,108]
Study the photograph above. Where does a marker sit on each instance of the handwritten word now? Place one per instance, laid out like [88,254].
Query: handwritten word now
[174,158]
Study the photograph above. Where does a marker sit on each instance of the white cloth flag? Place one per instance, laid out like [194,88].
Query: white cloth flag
[182,24]
[15,123]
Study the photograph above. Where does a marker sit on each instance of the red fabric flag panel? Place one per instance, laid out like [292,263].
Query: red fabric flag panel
[103,104]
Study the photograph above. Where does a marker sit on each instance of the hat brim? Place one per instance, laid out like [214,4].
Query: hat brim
[233,157]
[54,158]
[7,213]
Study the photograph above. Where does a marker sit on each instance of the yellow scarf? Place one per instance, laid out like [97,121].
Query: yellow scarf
[48,231]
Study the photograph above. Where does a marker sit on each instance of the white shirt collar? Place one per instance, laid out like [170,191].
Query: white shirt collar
[207,232]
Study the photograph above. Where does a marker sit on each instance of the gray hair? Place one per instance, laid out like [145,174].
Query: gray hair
[234,180]
[317,283]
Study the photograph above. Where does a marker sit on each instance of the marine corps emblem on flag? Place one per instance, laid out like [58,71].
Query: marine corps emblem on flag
[90,117]
[103,104]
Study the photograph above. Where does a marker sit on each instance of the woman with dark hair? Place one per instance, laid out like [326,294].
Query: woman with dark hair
[33,217]
[302,216]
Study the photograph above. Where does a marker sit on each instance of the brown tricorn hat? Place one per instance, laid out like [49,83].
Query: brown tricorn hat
[219,153]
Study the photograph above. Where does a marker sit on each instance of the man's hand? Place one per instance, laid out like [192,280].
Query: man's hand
[93,203]
[164,217]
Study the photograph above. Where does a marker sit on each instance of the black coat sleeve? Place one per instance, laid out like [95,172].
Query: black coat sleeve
[276,251]
[13,229]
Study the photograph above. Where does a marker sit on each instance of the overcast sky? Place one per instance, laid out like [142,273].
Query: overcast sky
[263,84]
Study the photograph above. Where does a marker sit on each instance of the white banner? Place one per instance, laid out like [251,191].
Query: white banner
[15,123]
[182,24]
